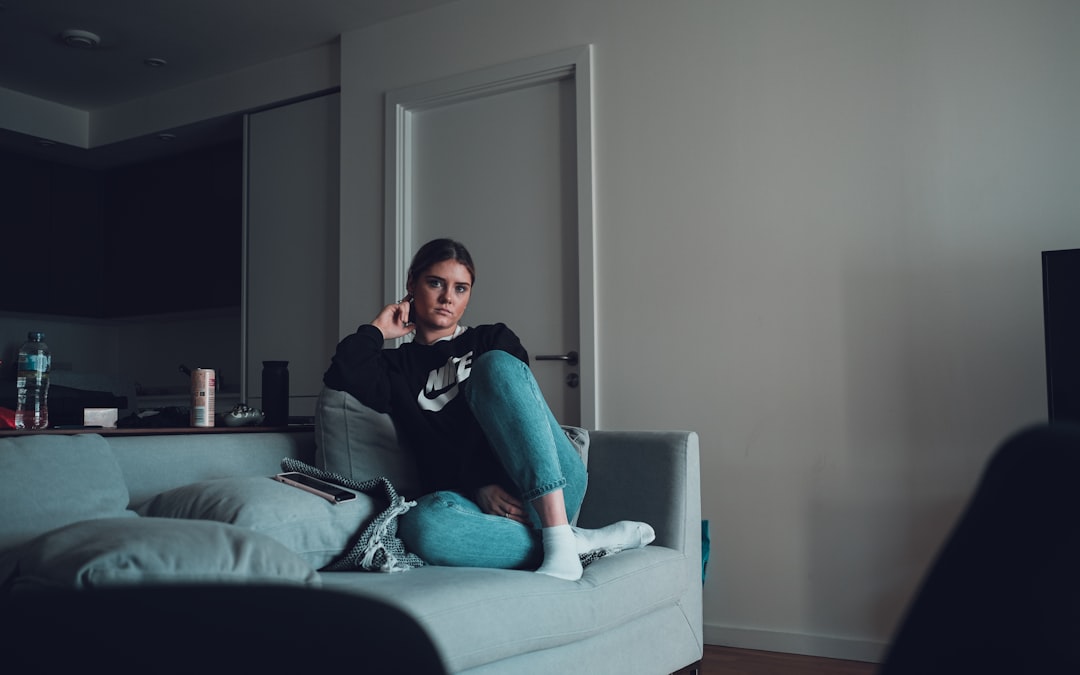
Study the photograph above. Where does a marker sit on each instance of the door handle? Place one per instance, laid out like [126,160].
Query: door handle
[570,357]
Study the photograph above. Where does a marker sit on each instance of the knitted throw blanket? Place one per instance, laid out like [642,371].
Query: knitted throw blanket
[378,549]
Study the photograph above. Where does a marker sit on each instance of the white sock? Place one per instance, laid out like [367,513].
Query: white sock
[620,536]
[560,553]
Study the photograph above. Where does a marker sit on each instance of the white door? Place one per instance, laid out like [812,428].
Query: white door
[499,171]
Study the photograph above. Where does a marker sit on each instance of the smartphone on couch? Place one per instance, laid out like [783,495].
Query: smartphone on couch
[334,494]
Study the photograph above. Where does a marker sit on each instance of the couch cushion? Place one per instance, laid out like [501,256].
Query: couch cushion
[50,480]
[309,525]
[120,551]
[477,616]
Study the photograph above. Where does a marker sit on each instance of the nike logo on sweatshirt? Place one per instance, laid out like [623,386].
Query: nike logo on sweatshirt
[443,383]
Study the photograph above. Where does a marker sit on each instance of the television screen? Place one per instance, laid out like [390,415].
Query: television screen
[1061,319]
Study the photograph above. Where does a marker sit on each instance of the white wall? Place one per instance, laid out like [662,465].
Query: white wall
[819,226]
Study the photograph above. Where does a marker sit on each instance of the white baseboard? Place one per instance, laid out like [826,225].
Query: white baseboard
[795,643]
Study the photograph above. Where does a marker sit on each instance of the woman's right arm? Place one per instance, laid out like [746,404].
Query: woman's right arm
[358,366]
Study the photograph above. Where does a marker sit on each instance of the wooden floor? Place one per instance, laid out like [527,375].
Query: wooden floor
[730,661]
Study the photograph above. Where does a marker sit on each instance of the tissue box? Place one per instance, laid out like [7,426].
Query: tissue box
[100,417]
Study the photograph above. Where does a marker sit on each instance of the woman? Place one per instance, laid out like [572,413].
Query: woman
[502,480]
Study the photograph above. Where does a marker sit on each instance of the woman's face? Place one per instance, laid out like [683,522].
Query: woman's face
[440,295]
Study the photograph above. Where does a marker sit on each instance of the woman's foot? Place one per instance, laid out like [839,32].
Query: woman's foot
[564,545]
[620,536]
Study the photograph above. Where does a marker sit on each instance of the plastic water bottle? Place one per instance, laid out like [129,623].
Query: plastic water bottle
[32,410]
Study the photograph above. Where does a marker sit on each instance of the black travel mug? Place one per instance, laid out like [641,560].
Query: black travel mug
[275,393]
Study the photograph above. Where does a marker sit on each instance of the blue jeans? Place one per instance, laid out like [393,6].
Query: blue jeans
[448,528]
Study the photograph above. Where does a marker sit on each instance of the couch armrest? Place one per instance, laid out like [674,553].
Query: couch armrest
[655,477]
[651,476]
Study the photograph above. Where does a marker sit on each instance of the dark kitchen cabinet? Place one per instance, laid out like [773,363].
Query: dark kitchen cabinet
[77,249]
[156,237]
[175,233]
[53,246]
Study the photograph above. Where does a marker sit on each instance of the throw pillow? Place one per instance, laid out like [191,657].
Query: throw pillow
[579,438]
[354,441]
[306,524]
[122,551]
[49,480]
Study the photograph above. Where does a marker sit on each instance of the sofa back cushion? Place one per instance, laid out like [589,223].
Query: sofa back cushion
[155,463]
[50,480]
[354,441]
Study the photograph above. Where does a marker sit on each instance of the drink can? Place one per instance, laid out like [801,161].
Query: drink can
[203,384]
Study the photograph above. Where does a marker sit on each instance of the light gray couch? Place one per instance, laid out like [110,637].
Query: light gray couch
[637,611]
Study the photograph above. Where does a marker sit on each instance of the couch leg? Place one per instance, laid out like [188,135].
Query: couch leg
[692,669]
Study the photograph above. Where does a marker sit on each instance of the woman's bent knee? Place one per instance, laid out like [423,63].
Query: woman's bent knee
[495,366]
[446,528]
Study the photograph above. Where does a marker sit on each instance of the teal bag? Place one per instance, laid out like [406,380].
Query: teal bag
[705,542]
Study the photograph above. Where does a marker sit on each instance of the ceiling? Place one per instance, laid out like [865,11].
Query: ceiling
[197,39]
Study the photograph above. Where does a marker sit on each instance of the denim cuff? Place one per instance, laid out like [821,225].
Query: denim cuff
[543,490]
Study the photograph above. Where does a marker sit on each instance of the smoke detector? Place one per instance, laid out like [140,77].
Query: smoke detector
[80,39]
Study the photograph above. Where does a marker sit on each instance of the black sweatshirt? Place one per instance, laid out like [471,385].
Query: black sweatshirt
[418,386]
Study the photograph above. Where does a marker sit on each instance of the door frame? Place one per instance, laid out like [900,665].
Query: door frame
[574,63]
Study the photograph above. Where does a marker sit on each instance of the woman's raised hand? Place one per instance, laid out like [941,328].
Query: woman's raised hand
[393,319]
